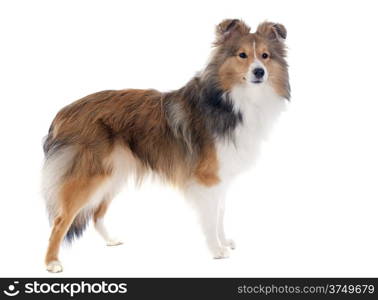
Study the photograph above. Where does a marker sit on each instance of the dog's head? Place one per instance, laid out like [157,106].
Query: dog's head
[258,58]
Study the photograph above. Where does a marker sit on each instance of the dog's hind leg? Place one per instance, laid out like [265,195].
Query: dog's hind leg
[98,219]
[74,195]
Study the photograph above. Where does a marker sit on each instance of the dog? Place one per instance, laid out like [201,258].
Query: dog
[197,138]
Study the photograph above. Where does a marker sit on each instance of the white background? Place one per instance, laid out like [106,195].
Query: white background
[309,207]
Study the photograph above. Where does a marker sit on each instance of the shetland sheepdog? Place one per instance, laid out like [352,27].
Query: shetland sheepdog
[197,138]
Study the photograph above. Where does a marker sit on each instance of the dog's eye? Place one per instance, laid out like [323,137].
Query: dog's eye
[243,55]
[265,55]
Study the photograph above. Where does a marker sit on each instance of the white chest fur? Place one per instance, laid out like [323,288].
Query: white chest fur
[260,107]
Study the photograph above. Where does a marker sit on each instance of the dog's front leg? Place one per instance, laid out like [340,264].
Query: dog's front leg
[207,202]
[221,233]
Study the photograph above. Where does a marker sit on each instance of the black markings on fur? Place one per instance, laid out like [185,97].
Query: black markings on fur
[213,107]
[219,113]
[48,143]
[77,228]
[279,31]
[51,146]
[232,24]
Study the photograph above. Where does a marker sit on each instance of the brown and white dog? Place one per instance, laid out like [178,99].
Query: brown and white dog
[197,138]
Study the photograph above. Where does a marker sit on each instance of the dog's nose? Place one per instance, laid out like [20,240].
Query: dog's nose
[259,72]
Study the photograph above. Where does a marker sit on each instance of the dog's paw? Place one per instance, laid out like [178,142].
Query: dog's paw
[231,244]
[114,242]
[221,252]
[54,266]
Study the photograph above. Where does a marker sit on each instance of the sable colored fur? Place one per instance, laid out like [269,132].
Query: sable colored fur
[183,136]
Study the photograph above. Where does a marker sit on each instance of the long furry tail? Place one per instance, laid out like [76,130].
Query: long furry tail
[78,227]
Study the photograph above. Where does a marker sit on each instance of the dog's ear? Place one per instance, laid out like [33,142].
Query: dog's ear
[228,28]
[272,31]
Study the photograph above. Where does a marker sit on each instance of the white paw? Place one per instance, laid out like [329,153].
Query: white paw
[113,242]
[54,266]
[221,252]
[230,243]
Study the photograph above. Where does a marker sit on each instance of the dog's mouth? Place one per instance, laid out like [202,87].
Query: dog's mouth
[257,81]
